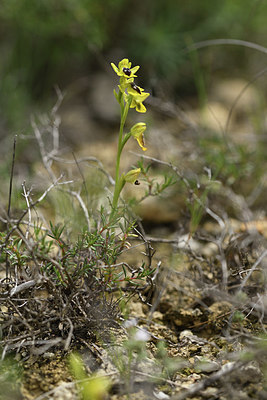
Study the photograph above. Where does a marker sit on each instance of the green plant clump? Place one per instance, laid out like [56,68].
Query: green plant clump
[75,286]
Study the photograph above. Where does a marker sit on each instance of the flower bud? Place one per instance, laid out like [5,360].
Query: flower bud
[132,175]
[137,132]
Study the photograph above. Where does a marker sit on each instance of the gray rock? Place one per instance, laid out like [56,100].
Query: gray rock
[202,364]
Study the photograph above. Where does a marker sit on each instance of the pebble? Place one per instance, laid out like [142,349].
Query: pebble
[210,393]
[64,393]
[160,395]
[48,355]
[203,364]
[250,373]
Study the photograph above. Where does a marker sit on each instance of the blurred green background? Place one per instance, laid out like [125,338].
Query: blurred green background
[44,43]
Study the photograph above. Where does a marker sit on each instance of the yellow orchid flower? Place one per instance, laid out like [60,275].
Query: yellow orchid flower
[137,102]
[124,69]
[132,176]
[137,132]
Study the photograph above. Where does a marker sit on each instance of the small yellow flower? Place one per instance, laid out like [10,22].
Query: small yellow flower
[132,175]
[124,69]
[137,102]
[137,132]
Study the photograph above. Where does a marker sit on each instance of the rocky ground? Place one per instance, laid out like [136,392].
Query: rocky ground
[207,302]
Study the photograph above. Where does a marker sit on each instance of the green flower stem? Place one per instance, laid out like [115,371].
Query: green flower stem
[129,96]
[118,189]
[119,183]
[125,139]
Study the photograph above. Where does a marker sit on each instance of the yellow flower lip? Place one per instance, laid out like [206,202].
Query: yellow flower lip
[137,101]
[124,69]
[137,132]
